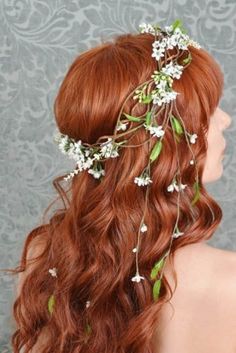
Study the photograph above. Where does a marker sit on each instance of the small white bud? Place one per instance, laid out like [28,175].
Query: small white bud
[143,228]
[53,271]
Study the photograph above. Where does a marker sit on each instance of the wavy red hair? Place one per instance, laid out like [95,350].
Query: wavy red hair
[90,239]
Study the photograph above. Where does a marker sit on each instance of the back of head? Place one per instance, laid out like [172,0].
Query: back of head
[91,241]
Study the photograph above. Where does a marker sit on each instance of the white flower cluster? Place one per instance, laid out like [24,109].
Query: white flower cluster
[175,37]
[142,180]
[160,97]
[193,138]
[108,149]
[155,130]
[173,186]
[96,173]
[164,80]
[173,70]
[170,37]
[122,126]
[146,28]
[53,272]
[85,156]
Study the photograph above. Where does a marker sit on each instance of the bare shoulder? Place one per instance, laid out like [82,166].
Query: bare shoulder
[207,284]
[203,304]
[211,267]
[216,262]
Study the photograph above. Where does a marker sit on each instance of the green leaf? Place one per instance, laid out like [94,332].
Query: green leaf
[148,118]
[197,193]
[156,150]
[177,126]
[156,268]
[156,289]
[132,118]
[147,99]
[188,59]
[88,329]
[177,23]
[51,303]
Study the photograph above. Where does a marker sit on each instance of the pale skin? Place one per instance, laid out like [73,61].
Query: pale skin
[204,301]
[213,169]
[203,318]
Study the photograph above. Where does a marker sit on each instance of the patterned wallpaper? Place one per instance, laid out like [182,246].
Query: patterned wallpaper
[38,41]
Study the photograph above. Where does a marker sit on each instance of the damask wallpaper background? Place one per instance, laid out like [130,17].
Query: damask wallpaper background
[38,41]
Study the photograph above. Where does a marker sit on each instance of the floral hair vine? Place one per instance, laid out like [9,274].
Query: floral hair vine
[90,157]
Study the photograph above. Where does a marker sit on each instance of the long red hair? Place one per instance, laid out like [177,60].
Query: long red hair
[90,239]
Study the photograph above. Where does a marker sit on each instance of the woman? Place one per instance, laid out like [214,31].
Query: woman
[92,287]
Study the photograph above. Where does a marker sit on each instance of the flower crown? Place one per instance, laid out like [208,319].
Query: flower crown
[162,98]
[88,156]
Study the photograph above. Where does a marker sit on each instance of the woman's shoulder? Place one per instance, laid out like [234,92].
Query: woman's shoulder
[206,262]
[203,304]
[202,268]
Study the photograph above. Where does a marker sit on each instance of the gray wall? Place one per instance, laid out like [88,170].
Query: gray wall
[38,41]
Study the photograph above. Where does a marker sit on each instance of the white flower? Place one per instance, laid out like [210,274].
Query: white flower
[161,85]
[174,186]
[96,173]
[177,234]
[155,130]
[137,278]
[173,70]
[157,99]
[192,161]
[145,180]
[158,53]
[159,43]
[87,303]
[168,29]
[87,153]
[96,156]
[71,174]
[143,228]
[53,271]
[169,96]
[62,143]
[194,44]
[179,39]
[57,136]
[182,187]
[108,149]
[67,177]
[146,28]
[134,250]
[159,48]
[193,138]
[88,163]
[170,188]
[122,126]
